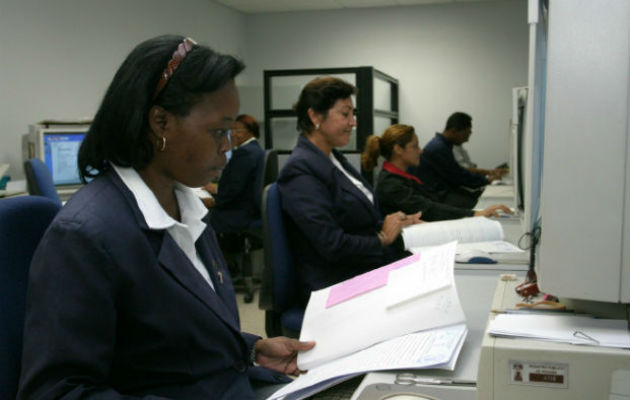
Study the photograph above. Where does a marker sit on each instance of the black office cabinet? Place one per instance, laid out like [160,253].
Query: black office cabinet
[376,103]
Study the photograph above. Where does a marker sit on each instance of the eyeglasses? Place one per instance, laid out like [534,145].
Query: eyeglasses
[178,56]
[219,134]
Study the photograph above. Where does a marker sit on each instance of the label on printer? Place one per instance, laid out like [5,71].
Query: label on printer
[539,373]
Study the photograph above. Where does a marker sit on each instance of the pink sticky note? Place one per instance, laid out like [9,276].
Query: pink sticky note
[365,282]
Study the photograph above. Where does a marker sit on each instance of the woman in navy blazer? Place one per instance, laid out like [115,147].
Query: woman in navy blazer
[335,229]
[129,295]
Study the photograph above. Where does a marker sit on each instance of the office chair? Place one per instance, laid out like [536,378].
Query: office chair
[278,295]
[23,221]
[238,248]
[272,166]
[238,245]
[270,170]
[39,179]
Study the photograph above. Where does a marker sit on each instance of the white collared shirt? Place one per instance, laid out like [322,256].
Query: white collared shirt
[251,139]
[354,180]
[192,210]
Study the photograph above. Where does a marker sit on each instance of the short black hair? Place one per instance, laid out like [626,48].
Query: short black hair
[458,121]
[320,94]
[118,133]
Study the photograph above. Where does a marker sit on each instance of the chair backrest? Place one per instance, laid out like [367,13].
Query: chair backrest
[279,275]
[23,221]
[274,161]
[270,169]
[39,180]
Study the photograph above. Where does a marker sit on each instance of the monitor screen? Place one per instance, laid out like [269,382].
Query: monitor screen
[61,150]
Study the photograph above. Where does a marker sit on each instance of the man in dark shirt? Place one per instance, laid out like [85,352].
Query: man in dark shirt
[445,180]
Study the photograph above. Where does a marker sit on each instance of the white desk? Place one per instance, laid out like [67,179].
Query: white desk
[496,194]
[512,231]
[476,289]
[14,188]
[498,191]
[578,372]
[12,193]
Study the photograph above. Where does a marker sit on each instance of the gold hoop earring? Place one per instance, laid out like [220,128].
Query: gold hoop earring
[161,144]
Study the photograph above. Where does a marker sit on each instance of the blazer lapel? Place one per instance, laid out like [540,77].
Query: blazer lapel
[323,167]
[218,273]
[351,188]
[175,261]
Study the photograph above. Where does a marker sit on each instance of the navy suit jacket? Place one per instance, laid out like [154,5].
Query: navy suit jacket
[440,172]
[238,199]
[332,226]
[116,310]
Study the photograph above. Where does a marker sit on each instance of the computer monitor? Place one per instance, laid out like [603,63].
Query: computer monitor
[585,194]
[58,147]
[529,114]
[517,151]
[61,151]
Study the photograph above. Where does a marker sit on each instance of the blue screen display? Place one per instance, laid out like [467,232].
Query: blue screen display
[61,150]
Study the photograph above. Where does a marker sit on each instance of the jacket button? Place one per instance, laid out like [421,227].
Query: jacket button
[240,367]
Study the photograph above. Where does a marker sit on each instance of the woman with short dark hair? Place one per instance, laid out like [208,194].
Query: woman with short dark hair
[335,228]
[129,295]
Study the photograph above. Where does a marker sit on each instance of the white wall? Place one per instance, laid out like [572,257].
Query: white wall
[447,57]
[57,57]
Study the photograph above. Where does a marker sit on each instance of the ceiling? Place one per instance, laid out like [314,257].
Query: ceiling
[270,6]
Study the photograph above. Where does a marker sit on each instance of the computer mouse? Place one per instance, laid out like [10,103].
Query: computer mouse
[475,257]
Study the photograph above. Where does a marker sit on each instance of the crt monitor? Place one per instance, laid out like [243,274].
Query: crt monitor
[59,150]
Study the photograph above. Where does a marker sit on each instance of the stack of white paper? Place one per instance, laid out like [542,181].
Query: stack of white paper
[478,233]
[403,315]
[436,348]
[464,230]
[378,305]
[572,329]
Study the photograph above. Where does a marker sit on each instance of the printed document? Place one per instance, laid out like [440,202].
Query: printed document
[464,230]
[437,348]
[477,233]
[423,297]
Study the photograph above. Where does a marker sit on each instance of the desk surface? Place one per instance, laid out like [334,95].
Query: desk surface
[498,191]
[12,193]
[512,232]
[497,194]
[476,290]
